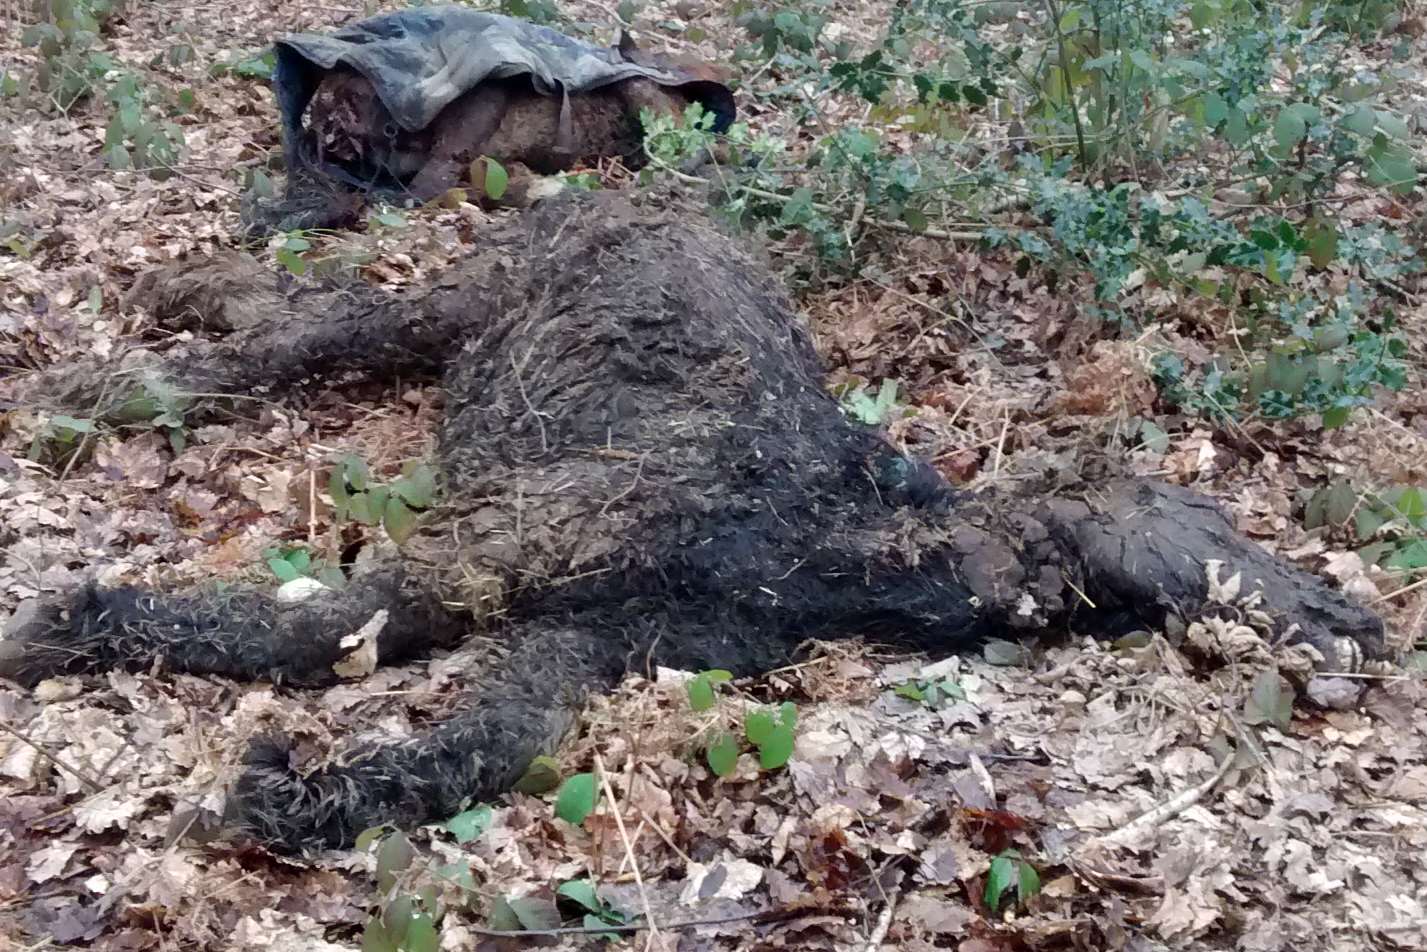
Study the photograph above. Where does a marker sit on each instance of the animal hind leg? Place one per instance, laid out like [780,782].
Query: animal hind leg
[245,634]
[285,336]
[524,707]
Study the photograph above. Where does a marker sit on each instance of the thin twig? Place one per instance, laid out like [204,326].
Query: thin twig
[1401,591]
[83,777]
[884,923]
[677,925]
[1171,808]
[898,226]
[649,922]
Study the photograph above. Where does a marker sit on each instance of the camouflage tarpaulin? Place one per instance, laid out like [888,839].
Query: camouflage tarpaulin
[420,60]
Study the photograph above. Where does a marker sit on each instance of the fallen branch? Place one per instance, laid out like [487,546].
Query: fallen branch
[758,917]
[93,785]
[624,836]
[899,226]
[1171,808]
[884,923]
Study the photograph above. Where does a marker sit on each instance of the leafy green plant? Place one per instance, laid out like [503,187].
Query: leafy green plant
[770,731]
[135,138]
[542,912]
[155,404]
[468,825]
[288,563]
[933,693]
[595,911]
[59,439]
[292,253]
[66,35]
[1390,524]
[702,687]
[72,69]
[408,911]
[1270,701]
[254,65]
[394,506]
[1257,96]
[862,406]
[1009,873]
[578,796]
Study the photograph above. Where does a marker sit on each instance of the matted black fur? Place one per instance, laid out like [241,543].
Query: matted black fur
[641,466]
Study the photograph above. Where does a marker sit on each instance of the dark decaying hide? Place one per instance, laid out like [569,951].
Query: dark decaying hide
[403,103]
[641,466]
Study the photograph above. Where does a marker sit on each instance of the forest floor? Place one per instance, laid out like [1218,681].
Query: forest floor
[1097,763]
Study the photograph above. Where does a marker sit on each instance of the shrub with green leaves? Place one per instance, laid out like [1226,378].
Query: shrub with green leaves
[932,693]
[1010,875]
[72,69]
[770,731]
[394,506]
[59,439]
[1390,525]
[1131,124]
[66,38]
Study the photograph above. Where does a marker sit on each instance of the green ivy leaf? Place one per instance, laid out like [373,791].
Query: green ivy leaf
[355,472]
[508,915]
[284,570]
[1335,417]
[1391,164]
[376,937]
[722,755]
[1270,701]
[1289,130]
[1393,125]
[1361,121]
[1028,882]
[1366,522]
[394,856]
[1153,438]
[758,727]
[399,521]
[75,424]
[1322,242]
[337,489]
[293,262]
[469,824]
[999,878]
[911,691]
[1409,558]
[495,179]
[417,487]
[576,799]
[788,714]
[542,776]
[421,934]
[798,210]
[359,506]
[777,749]
[581,891]
[368,836]
[701,693]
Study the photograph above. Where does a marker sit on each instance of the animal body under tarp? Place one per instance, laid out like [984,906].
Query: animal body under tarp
[403,103]
[641,467]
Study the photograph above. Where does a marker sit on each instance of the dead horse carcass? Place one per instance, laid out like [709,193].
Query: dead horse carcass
[407,100]
[641,467]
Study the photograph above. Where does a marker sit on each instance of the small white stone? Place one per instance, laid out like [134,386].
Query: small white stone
[299,589]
